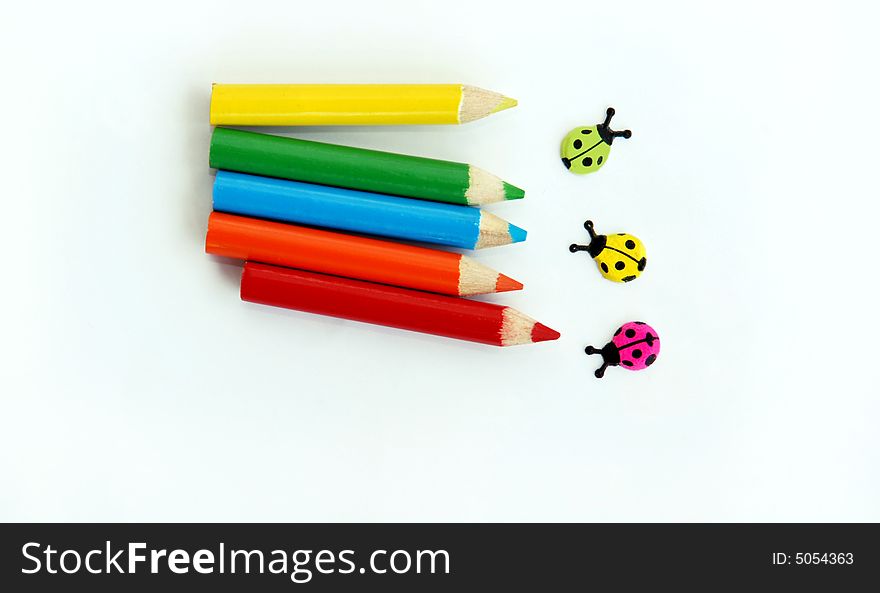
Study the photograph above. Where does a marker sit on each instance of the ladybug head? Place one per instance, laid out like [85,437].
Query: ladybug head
[605,131]
[597,242]
[610,357]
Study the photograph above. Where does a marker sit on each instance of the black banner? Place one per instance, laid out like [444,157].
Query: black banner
[434,557]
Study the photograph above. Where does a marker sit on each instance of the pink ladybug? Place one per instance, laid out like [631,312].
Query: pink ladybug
[635,345]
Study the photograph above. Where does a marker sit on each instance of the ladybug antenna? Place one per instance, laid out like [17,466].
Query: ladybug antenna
[608,135]
[609,113]
[589,226]
[597,242]
[574,247]
[600,372]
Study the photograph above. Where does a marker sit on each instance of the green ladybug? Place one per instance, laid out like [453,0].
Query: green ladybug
[585,150]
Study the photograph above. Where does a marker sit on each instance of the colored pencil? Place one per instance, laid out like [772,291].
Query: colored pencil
[402,308]
[351,104]
[357,168]
[354,257]
[361,212]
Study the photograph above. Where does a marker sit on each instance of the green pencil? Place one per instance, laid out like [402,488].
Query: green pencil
[357,168]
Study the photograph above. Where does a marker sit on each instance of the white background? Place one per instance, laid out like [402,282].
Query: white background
[135,385]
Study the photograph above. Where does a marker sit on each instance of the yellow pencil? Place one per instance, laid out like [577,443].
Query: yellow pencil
[351,104]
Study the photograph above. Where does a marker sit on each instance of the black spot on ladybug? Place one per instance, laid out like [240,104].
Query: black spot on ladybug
[619,265]
[627,363]
[630,333]
[620,234]
[599,161]
[619,329]
[578,143]
[640,323]
[637,353]
[629,278]
[650,339]
[650,360]
[630,244]
[586,131]
[604,267]
[587,161]
[642,263]
[566,162]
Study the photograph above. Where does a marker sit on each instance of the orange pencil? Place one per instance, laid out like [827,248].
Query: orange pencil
[350,256]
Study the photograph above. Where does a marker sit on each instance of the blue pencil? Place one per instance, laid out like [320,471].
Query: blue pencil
[361,212]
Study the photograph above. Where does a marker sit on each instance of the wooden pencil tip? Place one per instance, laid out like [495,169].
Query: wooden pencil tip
[506,284]
[542,333]
[476,103]
[506,103]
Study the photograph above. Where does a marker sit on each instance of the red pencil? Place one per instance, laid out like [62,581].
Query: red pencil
[402,308]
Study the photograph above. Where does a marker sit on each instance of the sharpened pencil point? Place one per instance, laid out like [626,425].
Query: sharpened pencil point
[542,333]
[512,192]
[506,103]
[506,284]
[517,235]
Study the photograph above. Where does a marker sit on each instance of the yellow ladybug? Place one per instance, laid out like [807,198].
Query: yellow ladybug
[620,257]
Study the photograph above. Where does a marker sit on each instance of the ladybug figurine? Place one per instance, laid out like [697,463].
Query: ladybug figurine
[620,257]
[635,346]
[585,149]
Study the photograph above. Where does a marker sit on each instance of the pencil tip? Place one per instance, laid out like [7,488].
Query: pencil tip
[512,192]
[542,333]
[506,103]
[517,235]
[506,284]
